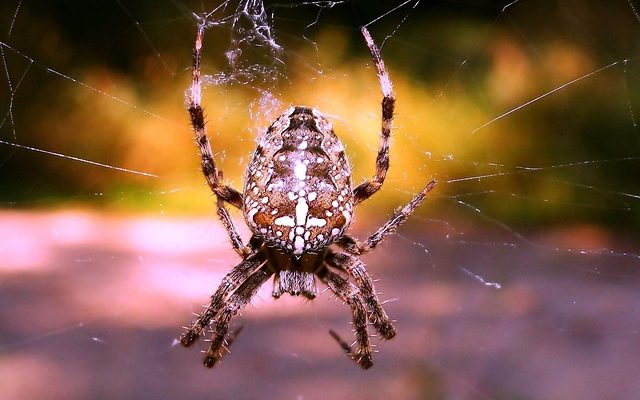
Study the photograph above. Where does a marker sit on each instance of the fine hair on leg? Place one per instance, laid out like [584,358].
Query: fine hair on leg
[237,276]
[350,294]
[355,268]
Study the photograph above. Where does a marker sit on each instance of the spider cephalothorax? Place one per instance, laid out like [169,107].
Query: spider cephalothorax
[298,201]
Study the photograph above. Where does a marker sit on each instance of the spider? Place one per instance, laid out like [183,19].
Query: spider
[298,200]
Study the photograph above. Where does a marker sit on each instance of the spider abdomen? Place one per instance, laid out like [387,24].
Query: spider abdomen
[298,194]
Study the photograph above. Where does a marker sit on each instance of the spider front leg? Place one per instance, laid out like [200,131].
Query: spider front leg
[236,301]
[213,177]
[353,246]
[351,295]
[237,276]
[355,269]
[369,187]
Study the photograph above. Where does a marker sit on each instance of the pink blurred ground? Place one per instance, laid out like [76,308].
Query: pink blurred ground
[91,305]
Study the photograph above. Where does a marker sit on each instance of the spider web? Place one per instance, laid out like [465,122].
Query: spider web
[517,278]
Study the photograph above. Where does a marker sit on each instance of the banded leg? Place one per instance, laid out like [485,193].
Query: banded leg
[343,344]
[353,246]
[350,294]
[236,277]
[234,236]
[236,301]
[226,193]
[355,268]
[369,187]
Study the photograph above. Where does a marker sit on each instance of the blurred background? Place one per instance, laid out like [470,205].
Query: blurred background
[517,278]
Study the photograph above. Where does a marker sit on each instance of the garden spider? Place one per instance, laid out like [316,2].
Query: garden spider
[298,200]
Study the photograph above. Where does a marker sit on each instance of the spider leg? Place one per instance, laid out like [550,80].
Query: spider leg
[224,192]
[343,345]
[369,187]
[350,294]
[236,277]
[353,246]
[236,301]
[355,268]
[229,226]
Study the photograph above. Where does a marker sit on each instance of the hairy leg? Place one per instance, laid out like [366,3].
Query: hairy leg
[234,236]
[369,187]
[237,276]
[355,268]
[353,246]
[235,302]
[350,294]
[196,113]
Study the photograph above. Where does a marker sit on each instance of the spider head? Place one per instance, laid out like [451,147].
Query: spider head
[298,194]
